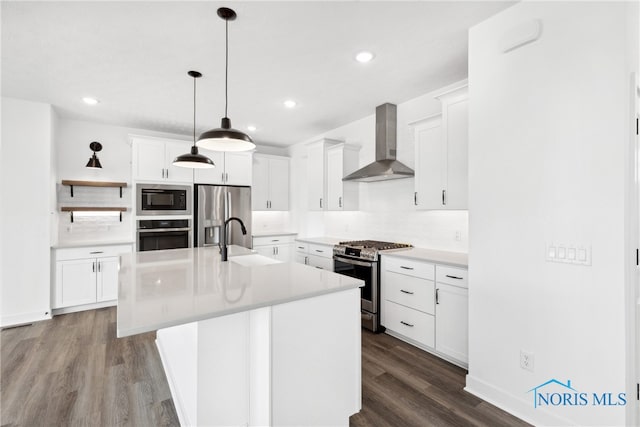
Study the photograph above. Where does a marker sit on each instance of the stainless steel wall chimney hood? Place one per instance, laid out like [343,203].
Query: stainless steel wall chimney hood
[386,166]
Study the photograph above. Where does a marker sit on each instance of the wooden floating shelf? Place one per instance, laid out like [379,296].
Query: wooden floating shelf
[72,183]
[73,209]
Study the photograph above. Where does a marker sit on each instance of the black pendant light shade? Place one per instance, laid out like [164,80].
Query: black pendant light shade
[194,159]
[94,162]
[225,138]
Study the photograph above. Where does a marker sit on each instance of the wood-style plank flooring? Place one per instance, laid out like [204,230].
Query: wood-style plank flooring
[72,370]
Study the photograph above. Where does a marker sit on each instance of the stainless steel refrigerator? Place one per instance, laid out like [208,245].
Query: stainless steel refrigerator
[217,203]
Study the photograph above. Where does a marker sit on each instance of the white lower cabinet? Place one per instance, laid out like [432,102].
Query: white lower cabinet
[314,254]
[278,247]
[426,305]
[86,275]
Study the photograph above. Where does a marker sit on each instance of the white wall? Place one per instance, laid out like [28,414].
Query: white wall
[549,134]
[386,209]
[25,225]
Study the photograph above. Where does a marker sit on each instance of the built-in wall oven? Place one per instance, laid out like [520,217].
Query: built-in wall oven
[359,259]
[160,199]
[158,234]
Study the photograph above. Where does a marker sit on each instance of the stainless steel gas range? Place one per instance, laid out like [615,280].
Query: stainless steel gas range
[359,259]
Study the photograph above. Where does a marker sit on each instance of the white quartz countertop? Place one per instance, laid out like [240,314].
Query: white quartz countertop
[273,233]
[321,240]
[458,259]
[159,289]
[91,243]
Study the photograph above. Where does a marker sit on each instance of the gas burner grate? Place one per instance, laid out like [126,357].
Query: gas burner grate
[376,244]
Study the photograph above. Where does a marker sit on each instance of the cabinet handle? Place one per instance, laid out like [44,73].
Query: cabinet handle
[96,252]
[99,266]
[306,260]
[275,240]
[340,201]
[453,277]
[226,177]
[406,292]
[415,198]
[320,202]
[319,251]
[319,267]
[444,201]
[167,173]
[406,268]
[93,266]
[277,250]
[437,296]
[222,177]
[163,172]
[406,324]
[300,247]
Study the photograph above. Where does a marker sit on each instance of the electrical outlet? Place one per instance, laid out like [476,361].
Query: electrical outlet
[526,360]
[458,236]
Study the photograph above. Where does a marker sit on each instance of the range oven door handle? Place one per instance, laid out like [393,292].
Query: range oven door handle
[154,230]
[352,261]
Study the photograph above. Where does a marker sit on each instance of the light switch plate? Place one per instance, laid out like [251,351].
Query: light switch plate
[568,253]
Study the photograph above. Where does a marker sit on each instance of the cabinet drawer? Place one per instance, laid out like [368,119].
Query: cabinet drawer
[409,267]
[273,240]
[452,275]
[302,247]
[411,323]
[320,262]
[322,251]
[409,291]
[91,252]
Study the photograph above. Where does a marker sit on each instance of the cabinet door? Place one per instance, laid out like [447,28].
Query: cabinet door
[238,168]
[431,167]
[335,196]
[260,186]
[213,175]
[457,155]
[148,160]
[452,321]
[279,184]
[284,253]
[268,251]
[107,280]
[316,177]
[76,282]
[176,173]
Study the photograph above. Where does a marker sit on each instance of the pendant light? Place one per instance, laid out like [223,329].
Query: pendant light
[225,138]
[94,162]
[194,159]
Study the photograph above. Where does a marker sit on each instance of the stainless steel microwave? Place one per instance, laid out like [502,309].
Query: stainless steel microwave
[159,199]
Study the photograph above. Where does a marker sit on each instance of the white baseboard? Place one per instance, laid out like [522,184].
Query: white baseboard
[24,318]
[76,308]
[182,414]
[518,407]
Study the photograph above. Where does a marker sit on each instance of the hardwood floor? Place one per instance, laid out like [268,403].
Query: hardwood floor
[72,370]
[405,386]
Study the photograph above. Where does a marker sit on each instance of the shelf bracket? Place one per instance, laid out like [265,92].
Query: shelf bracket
[71,214]
[120,211]
[71,186]
[121,198]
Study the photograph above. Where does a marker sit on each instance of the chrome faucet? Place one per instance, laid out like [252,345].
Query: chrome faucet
[223,237]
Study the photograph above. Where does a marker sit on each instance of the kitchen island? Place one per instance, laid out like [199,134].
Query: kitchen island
[251,341]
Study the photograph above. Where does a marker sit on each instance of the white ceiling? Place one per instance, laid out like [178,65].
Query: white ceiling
[134,57]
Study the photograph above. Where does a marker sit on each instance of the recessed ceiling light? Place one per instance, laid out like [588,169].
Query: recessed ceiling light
[251,128]
[364,56]
[90,101]
[290,103]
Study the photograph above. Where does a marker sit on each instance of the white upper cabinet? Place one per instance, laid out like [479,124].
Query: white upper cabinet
[328,161]
[341,161]
[270,189]
[232,168]
[152,160]
[441,144]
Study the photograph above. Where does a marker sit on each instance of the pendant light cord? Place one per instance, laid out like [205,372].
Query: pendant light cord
[194,111]
[226,69]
